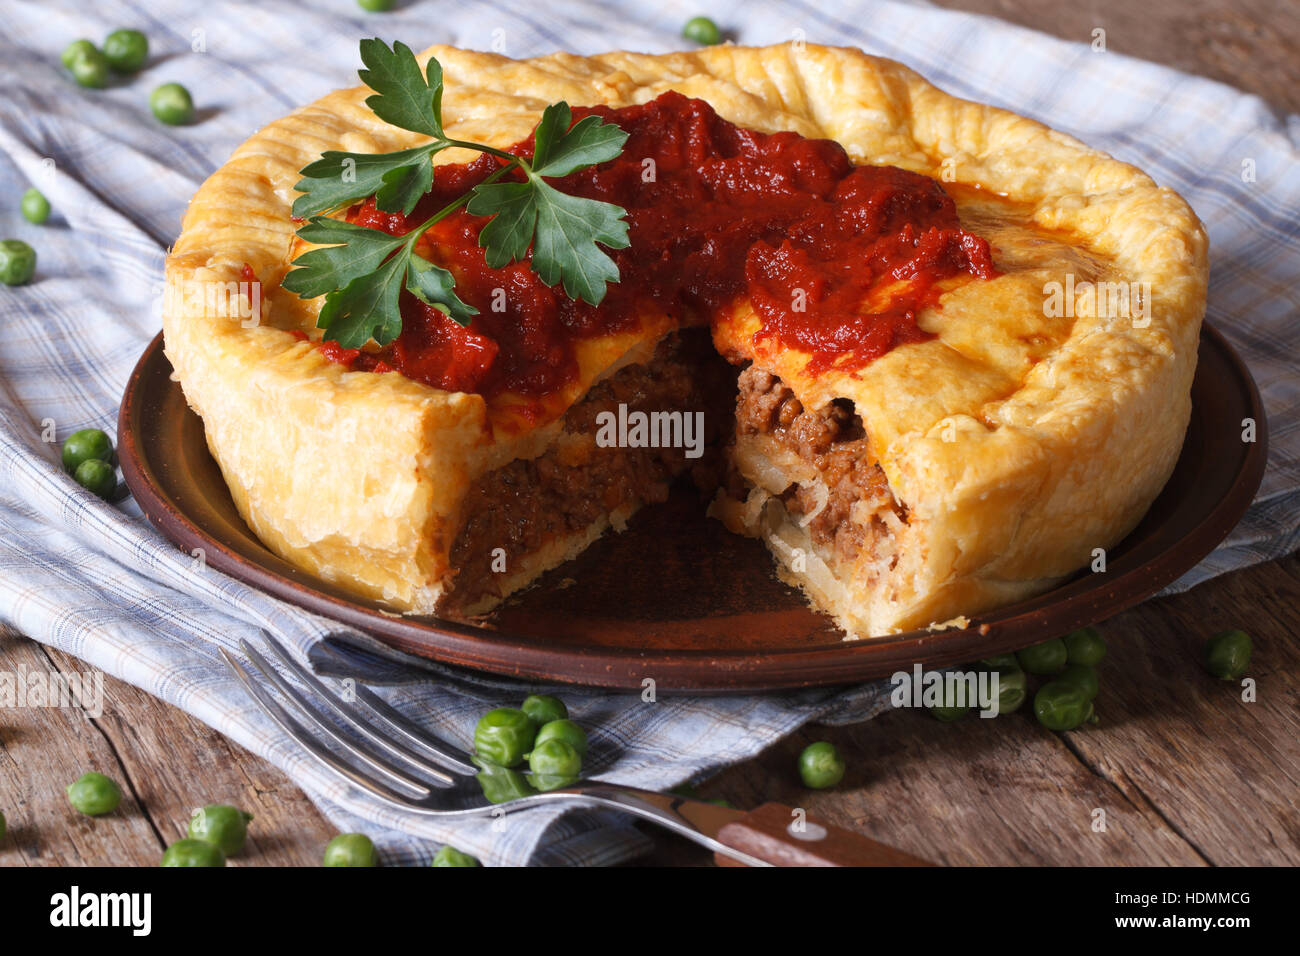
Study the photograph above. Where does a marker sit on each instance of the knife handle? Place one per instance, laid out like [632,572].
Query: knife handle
[786,837]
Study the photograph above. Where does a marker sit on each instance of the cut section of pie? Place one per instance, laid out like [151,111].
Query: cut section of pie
[932,353]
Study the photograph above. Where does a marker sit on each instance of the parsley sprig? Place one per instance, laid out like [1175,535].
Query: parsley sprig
[362,271]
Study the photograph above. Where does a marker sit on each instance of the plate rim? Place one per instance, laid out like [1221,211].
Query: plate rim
[506,653]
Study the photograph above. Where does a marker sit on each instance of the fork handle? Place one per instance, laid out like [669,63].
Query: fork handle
[784,836]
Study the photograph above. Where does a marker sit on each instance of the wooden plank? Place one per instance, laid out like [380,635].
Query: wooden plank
[167,763]
[42,750]
[1224,773]
[1249,44]
[1185,772]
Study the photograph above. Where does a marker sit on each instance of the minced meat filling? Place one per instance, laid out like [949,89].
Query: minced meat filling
[833,440]
[530,502]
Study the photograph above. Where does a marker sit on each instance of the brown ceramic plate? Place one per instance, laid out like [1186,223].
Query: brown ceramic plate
[678,599]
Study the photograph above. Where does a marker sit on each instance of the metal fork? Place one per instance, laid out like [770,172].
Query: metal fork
[404,766]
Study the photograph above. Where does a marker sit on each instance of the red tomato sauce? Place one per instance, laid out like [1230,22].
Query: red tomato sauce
[837,259]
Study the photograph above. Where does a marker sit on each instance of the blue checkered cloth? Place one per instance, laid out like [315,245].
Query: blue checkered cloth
[96,581]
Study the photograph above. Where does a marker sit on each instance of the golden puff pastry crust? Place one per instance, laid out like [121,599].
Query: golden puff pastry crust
[1015,441]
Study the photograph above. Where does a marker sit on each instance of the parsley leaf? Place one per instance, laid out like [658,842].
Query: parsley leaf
[355,252]
[402,96]
[562,230]
[404,186]
[560,150]
[367,308]
[564,249]
[362,272]
[397,180]
[340,179]
[514,218]
[435,286]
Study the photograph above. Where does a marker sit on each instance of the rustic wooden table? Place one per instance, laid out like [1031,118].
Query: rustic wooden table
[1185,770]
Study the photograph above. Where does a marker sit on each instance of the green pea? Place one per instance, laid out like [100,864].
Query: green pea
[499,784]
[702,30]
[1013,689]
[190,852]
[1061,705]
[820,765]
[35,207]
[376,6]
[554,757]
[90,69]
[172,105]
[954,704]
[1085,646]
[1045,658]
[1001,662]
[544,709]
[351,849]
[17,262]
[94,794]
[97,477]
[1083,676]
[450,856]
[504,735]
[1013,685]
[1227,654]
[85,445]
[126,50]
[224,826]
[542,782]
[565,730]
[75,49]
